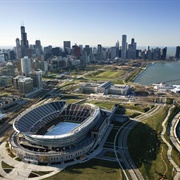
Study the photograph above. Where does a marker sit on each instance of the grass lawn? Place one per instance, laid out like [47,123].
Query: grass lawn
[103,104]
[41,173]
[94,169]
[131,113]
[138,107]
[106,75]
[148,150]
[70,101]
[110,74]
[4,165]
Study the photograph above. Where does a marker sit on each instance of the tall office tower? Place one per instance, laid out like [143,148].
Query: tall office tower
[99,48]
[124,47]
[67,47]
[133,49]
[18,49]
[26,66]
[149,53]
[12,55]
[67,44]
[164,53]
[117,48]
[37,78]
[99,54]
[132,41]
[76,51]
[94,50]
[38,47]
[87,49]
[177,55]
[113,52]
[81,49]
[57,51]
[24,42]
[47,52]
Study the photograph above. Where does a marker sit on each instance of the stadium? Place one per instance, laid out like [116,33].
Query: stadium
[58,133]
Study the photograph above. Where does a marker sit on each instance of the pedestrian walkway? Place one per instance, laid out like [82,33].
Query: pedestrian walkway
[21,170]
[173,136]
[177,176]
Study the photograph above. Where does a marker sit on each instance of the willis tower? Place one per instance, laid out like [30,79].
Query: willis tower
[24,42]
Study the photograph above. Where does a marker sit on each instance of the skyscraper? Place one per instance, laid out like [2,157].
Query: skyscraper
[164,53]
[124,47]
[18,49]
[24,42]
[67,47]
[26,66]
[37,78]
[177,55]
[67,44]
[99,48]
[38,47]
[132,49]
[87,49]
[76,51]
[117,48]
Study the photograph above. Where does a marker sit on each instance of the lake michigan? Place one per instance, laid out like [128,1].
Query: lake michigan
[161,72]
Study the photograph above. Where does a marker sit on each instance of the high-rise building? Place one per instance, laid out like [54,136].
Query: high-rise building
[124,47]
[88,50]
[47,52]
[18,49]
[5,81]
[76,51]
[177,55]
[99,48]
[67,44]
[117,48]
[164,53]
[67,47]
[12,55]
[24,42]
[37,78]
[25,85]
[113,51]
[132,49]
[26,65]
[38,47]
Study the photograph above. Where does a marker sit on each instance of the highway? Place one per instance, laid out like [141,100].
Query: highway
[121,139]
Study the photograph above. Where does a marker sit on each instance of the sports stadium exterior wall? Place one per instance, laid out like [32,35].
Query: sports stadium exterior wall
[80,135]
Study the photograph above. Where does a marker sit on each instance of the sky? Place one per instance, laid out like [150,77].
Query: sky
[91,22]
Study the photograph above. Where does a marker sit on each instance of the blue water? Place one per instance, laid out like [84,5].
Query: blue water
[178,130]
[62,128]
[160,72]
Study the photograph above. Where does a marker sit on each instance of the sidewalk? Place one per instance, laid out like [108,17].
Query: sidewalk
[22,170]
[173,136]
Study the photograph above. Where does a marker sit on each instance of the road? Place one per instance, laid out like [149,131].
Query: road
[123,134]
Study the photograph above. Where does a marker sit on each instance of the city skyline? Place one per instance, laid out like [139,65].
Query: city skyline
[150,23]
